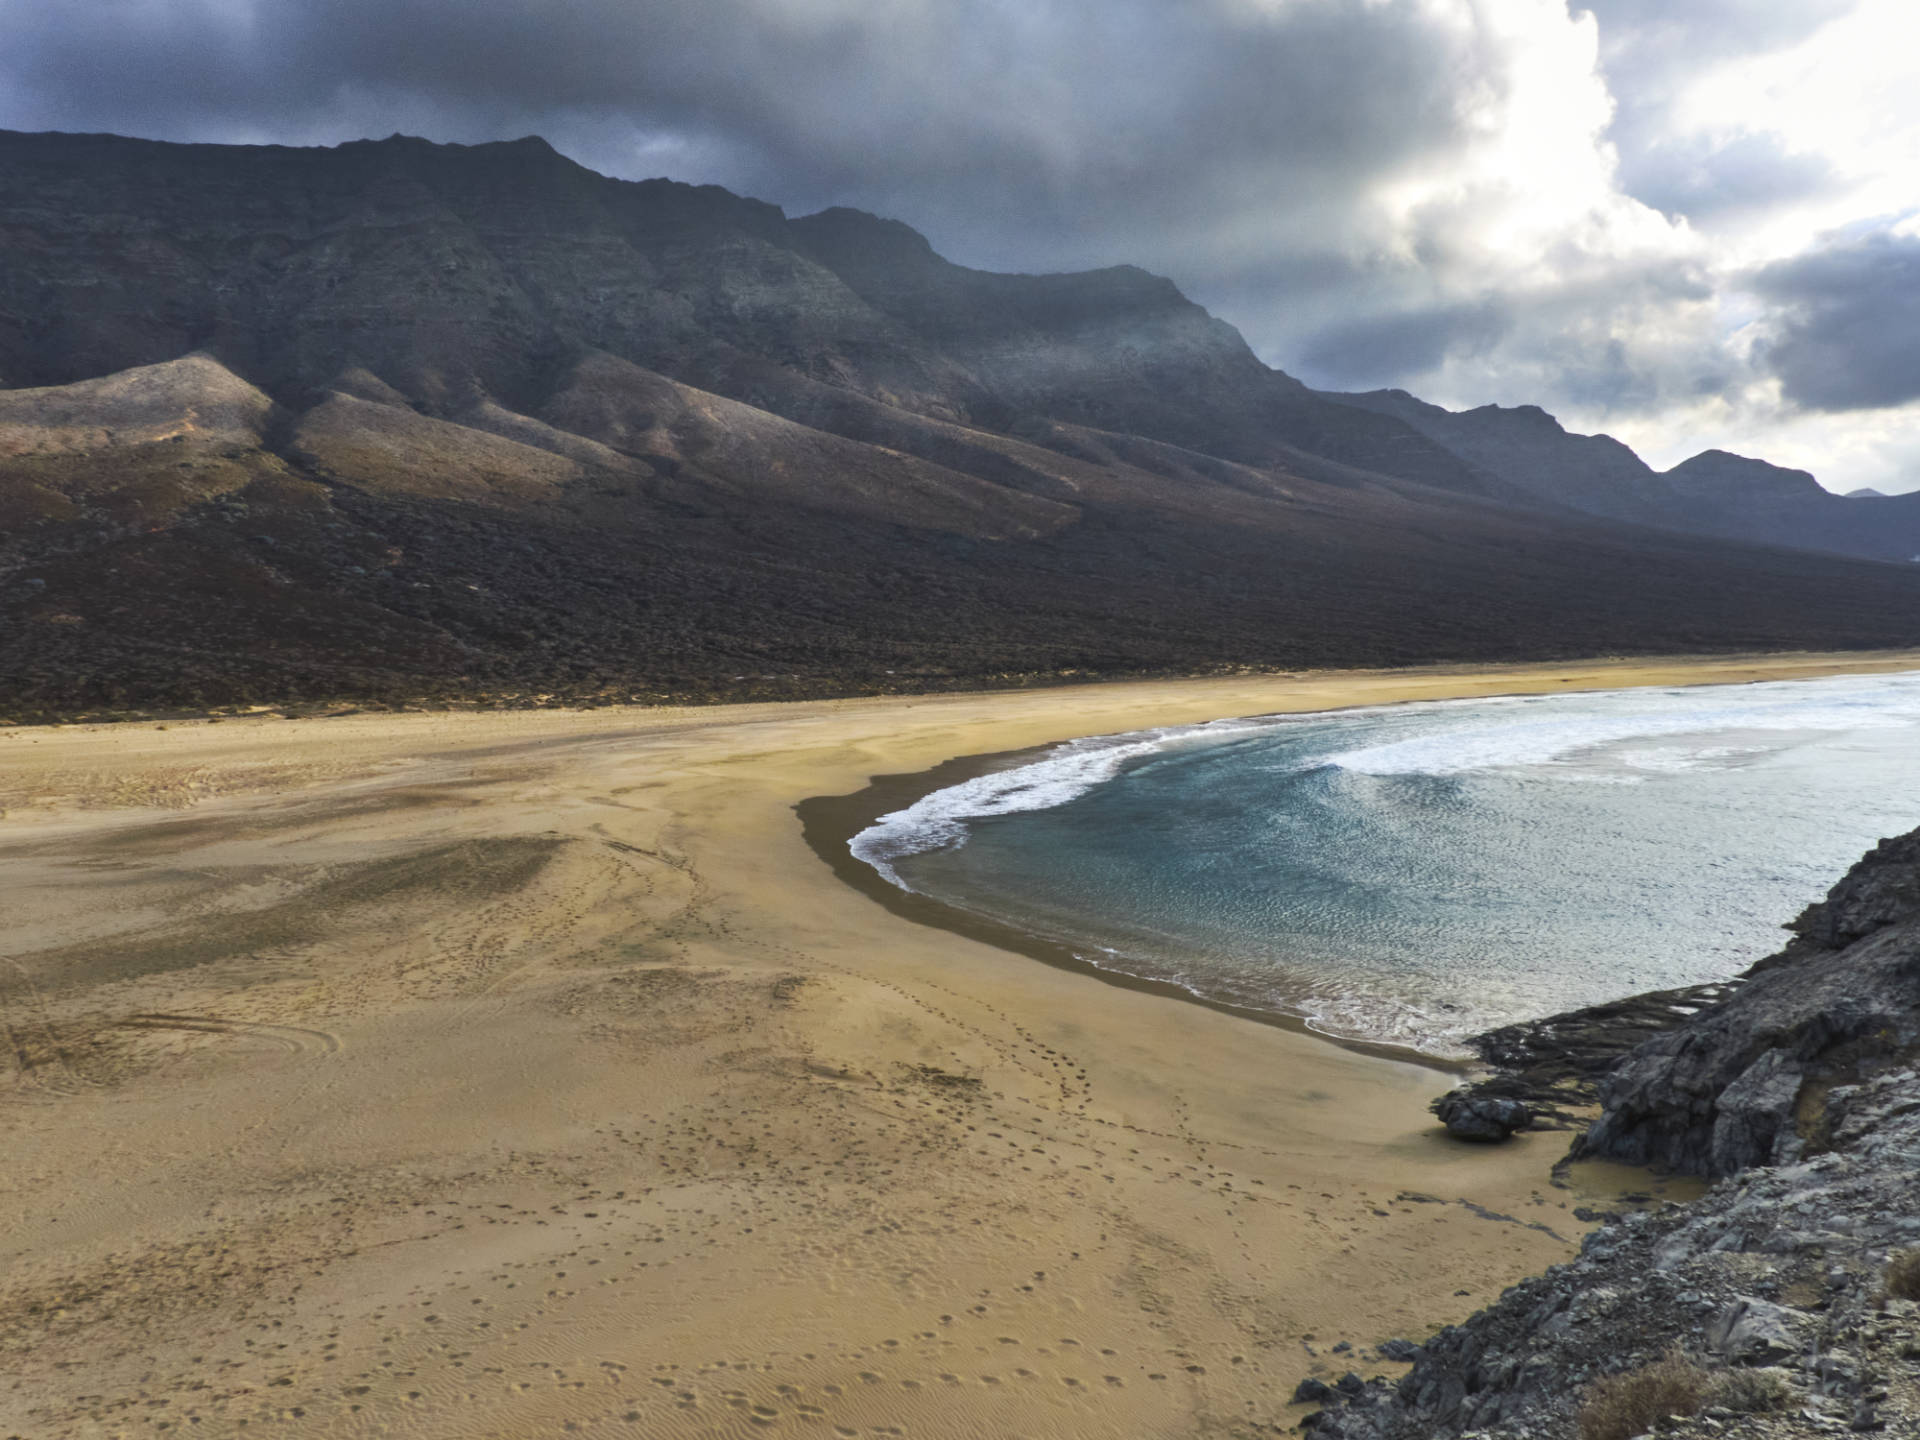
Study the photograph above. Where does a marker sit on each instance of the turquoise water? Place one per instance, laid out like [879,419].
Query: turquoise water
[1417,873]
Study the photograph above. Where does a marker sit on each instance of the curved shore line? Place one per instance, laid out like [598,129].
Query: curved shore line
[829,823]
[629,1089]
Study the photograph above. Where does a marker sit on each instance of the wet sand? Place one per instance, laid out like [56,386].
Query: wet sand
[462,1075]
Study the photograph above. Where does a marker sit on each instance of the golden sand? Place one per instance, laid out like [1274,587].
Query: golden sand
[525,1074]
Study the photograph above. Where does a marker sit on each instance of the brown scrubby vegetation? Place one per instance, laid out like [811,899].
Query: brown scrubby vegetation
[1620,1407]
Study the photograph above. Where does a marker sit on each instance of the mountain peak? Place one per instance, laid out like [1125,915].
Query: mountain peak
[842,235]
[1721,474]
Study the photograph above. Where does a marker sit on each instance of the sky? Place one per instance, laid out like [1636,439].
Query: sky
[1688,223]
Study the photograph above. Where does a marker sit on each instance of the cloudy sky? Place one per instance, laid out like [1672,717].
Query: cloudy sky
[1690,223]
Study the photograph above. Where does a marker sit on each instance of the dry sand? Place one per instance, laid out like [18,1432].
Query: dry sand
[520,1074]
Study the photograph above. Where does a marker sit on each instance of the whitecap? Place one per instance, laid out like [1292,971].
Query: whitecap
[939,821]
[1815,706]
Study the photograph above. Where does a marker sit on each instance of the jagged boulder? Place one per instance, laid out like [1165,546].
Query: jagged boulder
[1729,1089]
[1882,890]
[1757,1332]
[1480,1118]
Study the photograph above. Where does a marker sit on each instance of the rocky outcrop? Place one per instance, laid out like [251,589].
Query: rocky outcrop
[1802,1091]
[1553,1067]
[1481,1117]
[1724,1091]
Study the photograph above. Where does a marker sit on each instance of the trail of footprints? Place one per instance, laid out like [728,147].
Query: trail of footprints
[674,1216]
[700,1184]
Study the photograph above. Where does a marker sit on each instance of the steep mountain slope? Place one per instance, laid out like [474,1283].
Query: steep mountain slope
[399,420]
[1752,500]
[1714,493]
[454,272]
[692,546]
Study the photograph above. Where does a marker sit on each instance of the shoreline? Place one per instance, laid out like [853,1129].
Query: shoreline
[500,1073]
[830,822]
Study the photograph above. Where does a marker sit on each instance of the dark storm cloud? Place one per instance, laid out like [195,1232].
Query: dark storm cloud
[1224,142]
[1050,132]
[1384,348]
[1847,335]
[1251,149]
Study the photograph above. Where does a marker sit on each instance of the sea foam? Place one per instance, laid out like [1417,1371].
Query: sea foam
[1510,740]
[1065,773]
[1783,708]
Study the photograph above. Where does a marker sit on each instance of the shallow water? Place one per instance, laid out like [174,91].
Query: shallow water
[1416,873]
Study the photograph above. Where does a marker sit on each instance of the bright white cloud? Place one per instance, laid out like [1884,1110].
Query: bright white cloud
[1788,154]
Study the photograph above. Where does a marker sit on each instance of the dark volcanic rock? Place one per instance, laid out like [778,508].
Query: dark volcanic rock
[1802,1089]
[1481,1117]
[1882,890]
[1555,1065]
[1724,1091]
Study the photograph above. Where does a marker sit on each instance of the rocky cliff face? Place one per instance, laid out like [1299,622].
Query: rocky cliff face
[1801,1091]
[458,273]
[1744,1083]
[399,421]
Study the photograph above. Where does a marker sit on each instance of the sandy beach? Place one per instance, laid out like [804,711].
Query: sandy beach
[527,1073]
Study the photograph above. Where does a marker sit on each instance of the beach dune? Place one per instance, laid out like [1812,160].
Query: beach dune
[527,1073]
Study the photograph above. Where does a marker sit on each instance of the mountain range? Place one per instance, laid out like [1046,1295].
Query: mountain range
[398,421]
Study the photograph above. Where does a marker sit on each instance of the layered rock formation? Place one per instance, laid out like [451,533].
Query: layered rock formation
[396,421]
[1802,1091]
[1742,1084]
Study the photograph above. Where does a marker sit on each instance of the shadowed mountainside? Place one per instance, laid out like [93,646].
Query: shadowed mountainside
[1715,493]
[404,421]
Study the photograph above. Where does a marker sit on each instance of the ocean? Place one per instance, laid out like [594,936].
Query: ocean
[1413,874]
